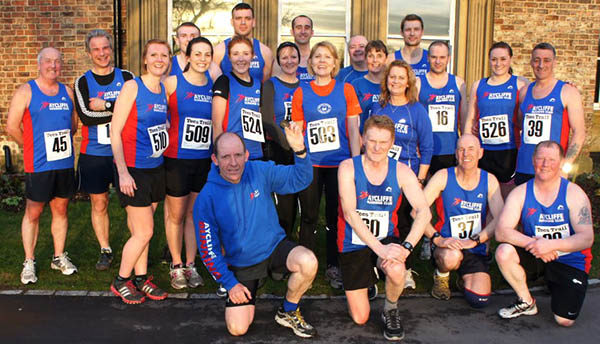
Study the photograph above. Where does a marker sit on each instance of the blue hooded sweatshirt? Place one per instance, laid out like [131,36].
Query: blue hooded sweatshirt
[242,217]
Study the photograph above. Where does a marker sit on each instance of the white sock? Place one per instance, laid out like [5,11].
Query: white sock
[442,274]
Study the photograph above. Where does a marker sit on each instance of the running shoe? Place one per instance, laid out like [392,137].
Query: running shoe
[295,321]
[194,279]
[392,325]
[28,273]
[152,291]
[518,308]
[178,280]
[106,258]
[409,281]
[334,276]
[425,249]
[441,287]
[372,292]
[221,291]
[127,291]
[64,264]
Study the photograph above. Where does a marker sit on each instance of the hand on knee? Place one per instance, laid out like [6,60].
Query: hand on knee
[476,300]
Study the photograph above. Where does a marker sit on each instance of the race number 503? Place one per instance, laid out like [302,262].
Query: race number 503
[323,135]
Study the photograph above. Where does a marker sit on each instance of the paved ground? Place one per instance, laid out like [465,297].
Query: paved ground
[74,319]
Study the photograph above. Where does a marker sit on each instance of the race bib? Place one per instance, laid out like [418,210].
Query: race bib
[376,221]
[394,152]
[252,125]
[553,232]
[536,128]
[196,133]
[323,135]
[464,226]
[58,144]
[494,130]
[442,117]
[103,131]
[288,111]
[159,139]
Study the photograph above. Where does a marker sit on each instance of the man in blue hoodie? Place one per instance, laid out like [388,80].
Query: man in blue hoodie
[235,211]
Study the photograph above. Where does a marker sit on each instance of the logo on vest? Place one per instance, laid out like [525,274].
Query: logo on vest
[379,200]
[551,218]
[157,108]
[401,127]
[363,195]
[441,98]
[474,206]
[254,194]
[498,95]
[543,109]
[324,108]
[200,98]
[54,106]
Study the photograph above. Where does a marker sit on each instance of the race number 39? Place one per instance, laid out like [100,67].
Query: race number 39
[536,128]
[252,125]
[58,144]
[196,133]
[323,135]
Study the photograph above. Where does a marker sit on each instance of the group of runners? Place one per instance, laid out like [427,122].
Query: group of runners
[237,139]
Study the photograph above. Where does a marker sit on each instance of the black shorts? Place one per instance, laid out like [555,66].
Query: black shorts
[473,263]
[358,266]
[567,284]
[95,173]
[521,178]
[44,186]
[185,175]
[501,163]
[150,184]
[275,266]
[439,162]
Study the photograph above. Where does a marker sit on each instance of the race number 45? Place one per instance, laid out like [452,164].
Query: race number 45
[58,144]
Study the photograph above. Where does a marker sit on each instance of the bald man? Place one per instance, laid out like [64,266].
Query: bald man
[42,120]
[358,60]
[461,236]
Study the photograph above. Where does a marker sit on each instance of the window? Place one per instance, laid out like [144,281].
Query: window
[213,17]
[331,20]
[438,18]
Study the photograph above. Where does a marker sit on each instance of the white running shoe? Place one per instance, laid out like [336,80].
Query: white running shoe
[28,273]
[409,281]
[64,264]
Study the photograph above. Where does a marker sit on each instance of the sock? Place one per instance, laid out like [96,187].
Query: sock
[106,249]
[122,279]
[389,305]
[442,274]
[289,306]
[140,279]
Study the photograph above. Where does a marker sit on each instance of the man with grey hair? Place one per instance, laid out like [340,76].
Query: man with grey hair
[41,119]
[96,92]
[358,60]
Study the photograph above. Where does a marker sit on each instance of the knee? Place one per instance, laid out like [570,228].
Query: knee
[100,205]
[236,329]
[396,273]
[505,253]
[360,317]
[476,300]
[33,213]
[308,262]
[144,235]
[563,321]
[449,259]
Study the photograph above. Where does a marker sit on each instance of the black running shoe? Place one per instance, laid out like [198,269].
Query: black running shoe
[104,261]
[372,292]
[152,291]
[295,321]
[392,325]
[127,292]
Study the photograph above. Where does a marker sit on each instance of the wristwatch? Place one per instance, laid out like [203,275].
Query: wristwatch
[475,238]
[435,235]
[300,152]
[407,246]
[107,105]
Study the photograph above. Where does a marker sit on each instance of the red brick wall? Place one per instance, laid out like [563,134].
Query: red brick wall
[26,26]
[573,27]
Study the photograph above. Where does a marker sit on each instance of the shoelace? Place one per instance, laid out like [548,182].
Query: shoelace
[299,318]
[393,320]
[520,305]
[132,289]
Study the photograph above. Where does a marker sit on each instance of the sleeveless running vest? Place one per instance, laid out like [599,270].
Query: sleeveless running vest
[303,74]
[443,107]
[243,116]
[47,137]
[326,128]
[377,205]
[282,100]
[367,93]
[462,213]
[496,113]
[190,115]
[420,68]
[175,69]
[543,119]
[553,223]
[145,135]
[257,64]
[95,139]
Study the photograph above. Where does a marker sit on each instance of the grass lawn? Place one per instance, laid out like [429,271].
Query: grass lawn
[84,250]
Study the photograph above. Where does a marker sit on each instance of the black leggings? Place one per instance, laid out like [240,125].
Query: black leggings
[310,199]
[286,204]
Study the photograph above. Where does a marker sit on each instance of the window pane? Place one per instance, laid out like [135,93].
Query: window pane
[435,14]
[338,42]
[213,17]
[329,16]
